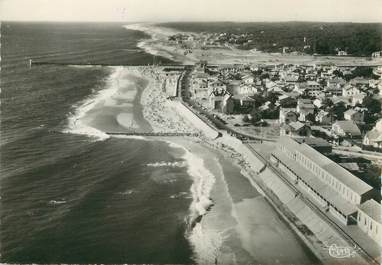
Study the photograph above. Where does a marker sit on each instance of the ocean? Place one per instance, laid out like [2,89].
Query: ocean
[71,198]
[71,194]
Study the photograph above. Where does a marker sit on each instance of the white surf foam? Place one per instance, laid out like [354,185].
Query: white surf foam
[203,181]
[206,242]
[166,164]
[145,44]
[182,194]
[136,137]
[75,122]
[56,202]
[127,192]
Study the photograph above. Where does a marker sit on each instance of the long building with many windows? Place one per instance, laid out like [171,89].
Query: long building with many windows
[370,220]
[333,187]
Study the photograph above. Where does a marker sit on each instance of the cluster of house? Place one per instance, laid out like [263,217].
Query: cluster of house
[376,54]
[333,188]
[220,91]
[305,95]
[206,40]
[297,121]
[322,94]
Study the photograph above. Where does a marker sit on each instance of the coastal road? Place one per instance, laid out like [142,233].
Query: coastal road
[361,153]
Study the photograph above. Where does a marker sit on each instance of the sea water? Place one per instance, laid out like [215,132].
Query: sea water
[70,194]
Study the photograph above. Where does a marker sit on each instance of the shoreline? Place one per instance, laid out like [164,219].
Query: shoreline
[230,150]
[217,223]
[158,46]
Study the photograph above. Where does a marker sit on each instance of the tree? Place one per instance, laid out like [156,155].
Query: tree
[338,110]
[246,118]
[338,73]
[373,105]
[256,115]
[272,97]
[363,71]
[264,76]
[327,102]
[259,100]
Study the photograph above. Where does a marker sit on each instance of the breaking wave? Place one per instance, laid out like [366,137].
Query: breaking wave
[76,125]
[205,243]
[166,164]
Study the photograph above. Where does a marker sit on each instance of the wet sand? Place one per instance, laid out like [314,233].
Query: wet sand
[241,227]
[231,221]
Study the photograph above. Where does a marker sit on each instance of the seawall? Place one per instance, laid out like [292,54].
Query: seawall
[256,164]
[206,129]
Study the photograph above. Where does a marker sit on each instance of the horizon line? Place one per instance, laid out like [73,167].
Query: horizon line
[192,21]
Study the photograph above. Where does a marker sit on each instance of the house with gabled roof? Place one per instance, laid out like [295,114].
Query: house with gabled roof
[346,129]
[354,115]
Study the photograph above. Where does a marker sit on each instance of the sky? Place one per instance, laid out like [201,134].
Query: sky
[192,10]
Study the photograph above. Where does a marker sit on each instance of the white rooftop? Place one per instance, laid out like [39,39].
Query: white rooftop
[347,178]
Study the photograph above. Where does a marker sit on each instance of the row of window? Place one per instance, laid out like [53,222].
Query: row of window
[365,222]
[306,162]
[313,190]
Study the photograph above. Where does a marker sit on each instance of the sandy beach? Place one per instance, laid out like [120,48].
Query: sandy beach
[158,45]
[246,230]
[240,227]
[133,101]
[230,222]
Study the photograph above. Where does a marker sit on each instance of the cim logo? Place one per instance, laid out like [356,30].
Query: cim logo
[342,252]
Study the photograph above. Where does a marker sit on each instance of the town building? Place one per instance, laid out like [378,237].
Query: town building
[317,144]
[248,79]
[376,54]
[359,82]
[325,117]
[244,89]
[337,82]
[353,115]
[346,129]
[369,220]
[373,138]
[342,53]
[295,129]
[334,90]
[357,99]
[287,115]
[340,99]
[286,101]
[243,101]
[331,186]
[221,101]
[350,91]
[318,102]
[305,108]
[311,88]
[218,85]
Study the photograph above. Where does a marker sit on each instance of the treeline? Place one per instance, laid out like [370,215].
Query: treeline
[358,39]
